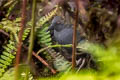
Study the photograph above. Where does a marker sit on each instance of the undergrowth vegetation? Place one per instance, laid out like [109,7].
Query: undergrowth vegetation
[42,57]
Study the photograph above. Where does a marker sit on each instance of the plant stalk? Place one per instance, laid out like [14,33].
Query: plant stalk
[74,37]
[32,34]
[19,45]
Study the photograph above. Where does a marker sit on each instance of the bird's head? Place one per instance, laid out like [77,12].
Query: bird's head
[55,22]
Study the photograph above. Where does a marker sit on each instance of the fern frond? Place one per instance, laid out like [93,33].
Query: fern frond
[44,32]
[47,17]
[11,26]
[12,3]
[44,36]
[10,74]
[25,33]
[7,56]
[60,63]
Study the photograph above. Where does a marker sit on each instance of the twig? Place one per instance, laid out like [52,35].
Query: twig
[9,3]
[19,45]
[74,37]
[41,50]
[83,62]
[5,33]
[42,60]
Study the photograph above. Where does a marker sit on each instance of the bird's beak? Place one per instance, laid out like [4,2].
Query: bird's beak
[51,27]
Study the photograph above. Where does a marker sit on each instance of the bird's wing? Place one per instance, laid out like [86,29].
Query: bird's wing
[64,36]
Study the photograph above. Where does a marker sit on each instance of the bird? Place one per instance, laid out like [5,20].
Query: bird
[63,33]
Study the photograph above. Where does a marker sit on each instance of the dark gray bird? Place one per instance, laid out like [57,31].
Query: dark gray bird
[63,33]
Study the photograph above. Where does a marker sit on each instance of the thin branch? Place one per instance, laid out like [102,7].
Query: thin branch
[19,45]
[41,50]
[5,33]
[82,64]
[74,37]
[42,60]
